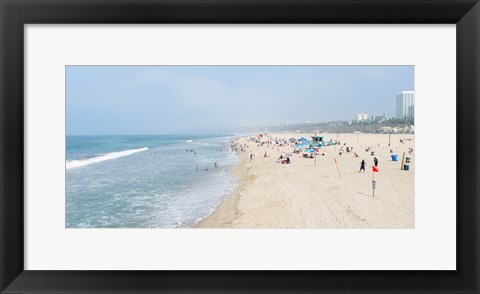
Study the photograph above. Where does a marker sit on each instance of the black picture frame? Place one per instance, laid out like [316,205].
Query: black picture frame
[14,14]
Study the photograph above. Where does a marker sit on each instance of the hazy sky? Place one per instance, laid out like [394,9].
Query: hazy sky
[203,99]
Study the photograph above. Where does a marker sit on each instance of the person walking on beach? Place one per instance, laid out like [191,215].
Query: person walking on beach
[215,165]
[362,166]
[251,156]
[375,161]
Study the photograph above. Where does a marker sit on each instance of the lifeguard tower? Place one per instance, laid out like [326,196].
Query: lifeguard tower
[318,141]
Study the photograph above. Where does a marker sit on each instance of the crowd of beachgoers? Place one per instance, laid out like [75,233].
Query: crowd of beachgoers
[292,181]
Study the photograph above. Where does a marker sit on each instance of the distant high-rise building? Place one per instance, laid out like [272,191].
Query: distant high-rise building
[405,104]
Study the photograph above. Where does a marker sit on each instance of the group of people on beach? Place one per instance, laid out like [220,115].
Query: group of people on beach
[235,146]
[346,150]
[284,160]
[362,164]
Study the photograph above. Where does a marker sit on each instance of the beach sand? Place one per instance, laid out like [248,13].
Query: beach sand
[309,193]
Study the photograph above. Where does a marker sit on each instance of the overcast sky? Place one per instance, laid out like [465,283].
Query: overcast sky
[206,99]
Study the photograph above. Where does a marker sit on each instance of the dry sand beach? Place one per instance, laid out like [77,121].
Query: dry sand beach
[308,193]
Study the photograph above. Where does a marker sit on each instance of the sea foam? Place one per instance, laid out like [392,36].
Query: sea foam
[108,156]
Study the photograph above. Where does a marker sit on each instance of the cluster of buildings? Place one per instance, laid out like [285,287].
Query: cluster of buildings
[409,129]
[405,109]
[376,118]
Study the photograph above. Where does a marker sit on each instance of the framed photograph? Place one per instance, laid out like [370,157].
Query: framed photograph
[195,161]
[232,146]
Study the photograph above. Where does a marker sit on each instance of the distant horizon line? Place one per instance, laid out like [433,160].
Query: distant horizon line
[224,132]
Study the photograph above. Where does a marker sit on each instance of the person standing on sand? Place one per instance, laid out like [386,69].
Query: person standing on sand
[362,166]
[375,161]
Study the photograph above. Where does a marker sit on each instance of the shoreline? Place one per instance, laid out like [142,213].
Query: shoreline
[227,210]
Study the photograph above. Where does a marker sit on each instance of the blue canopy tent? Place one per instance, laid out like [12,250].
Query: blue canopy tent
[302,143]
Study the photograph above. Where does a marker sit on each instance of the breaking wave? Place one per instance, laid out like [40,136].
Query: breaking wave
[108,156]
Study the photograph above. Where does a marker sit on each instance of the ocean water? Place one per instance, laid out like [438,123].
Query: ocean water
[145,181]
